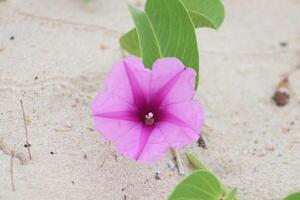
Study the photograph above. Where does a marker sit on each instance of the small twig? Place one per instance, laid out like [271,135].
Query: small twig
[12,171]
[12,155]
[6,150]
[26,131]
[179,161]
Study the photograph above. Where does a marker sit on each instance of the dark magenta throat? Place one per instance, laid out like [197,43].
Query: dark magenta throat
[149,115]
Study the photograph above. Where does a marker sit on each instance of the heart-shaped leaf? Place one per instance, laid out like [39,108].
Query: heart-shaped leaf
[294,196]
[200,185]
[204,13]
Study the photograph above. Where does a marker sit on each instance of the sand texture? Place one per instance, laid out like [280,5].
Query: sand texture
[55,55]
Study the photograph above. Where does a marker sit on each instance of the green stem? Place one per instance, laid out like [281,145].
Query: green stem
[195,161]
[199,165]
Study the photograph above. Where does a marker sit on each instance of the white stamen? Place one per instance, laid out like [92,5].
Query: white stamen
[150,115]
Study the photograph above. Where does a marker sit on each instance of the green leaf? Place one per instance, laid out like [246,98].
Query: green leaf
[199,165]
[294,196]
[231,195]
[195,161]
[204,13]
[150,49]
[174,31]
[129,42]
[200,185]
[165,29]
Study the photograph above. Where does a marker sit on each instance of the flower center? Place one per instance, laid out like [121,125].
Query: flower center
[149,119]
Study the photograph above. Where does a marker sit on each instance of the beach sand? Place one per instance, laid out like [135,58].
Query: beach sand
[55,55]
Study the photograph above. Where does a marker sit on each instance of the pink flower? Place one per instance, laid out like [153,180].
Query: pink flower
[146,112]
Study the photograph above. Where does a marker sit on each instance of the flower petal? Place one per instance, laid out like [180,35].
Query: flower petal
[130,80]
[143,143]
[181,123]
[128,144]
[155,147]
[112,115]
[171,82]
[177,136]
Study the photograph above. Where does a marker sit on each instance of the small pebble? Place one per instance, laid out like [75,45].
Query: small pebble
[103,46]
[270,148]
[282,94]
[201,142]
[171,165]
[157,177]
[146,181]
[69,125]
[262,154]
[281,98]
[235,121]
[207,114]
[283,44]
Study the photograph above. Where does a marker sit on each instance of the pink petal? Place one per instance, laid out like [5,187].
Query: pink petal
[112,115]
[129,143]
[155,147]
[142,143]
[181,123]
[130,81]
[177,136]
[171,82]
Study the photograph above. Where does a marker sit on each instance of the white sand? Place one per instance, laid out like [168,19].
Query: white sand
[252,144]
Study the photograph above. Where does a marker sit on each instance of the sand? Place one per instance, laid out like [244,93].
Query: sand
[54,55]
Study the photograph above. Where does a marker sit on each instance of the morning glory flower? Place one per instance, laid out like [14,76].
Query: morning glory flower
[146,112]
